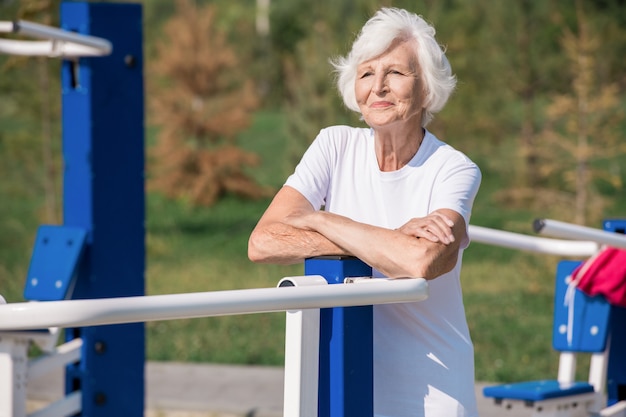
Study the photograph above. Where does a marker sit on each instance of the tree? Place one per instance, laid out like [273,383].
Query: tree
[312,101]
[40,102]
[581,131]
[200,100]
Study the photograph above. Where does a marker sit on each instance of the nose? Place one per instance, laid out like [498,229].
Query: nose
[380,84]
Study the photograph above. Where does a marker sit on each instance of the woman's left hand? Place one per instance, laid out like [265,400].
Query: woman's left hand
[435,227]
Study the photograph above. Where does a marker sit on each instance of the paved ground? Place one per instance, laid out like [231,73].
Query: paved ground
[207,390]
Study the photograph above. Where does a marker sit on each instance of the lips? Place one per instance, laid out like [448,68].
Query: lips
[381,104]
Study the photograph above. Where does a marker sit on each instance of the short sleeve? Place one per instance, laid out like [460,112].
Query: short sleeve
[456,188]
[312,174]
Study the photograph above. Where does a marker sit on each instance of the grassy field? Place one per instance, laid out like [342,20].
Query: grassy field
[508,294]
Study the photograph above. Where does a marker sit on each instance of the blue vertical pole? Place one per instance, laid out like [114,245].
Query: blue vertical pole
[103,149]
[616,372]
[346,372]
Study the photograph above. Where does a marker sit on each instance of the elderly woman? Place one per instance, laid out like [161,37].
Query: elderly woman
[397,198]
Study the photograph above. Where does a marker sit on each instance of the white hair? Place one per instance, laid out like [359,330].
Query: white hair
[377,35]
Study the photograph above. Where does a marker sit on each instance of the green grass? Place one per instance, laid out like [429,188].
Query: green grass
[508,302]
[205,249]
[194,250]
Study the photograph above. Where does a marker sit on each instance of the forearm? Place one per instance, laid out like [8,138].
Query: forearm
[281,243]
[392,252]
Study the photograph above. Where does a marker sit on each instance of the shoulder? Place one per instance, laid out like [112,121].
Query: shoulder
[338,140]
[442,153]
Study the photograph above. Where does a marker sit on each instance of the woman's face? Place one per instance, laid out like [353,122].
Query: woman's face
[388,88]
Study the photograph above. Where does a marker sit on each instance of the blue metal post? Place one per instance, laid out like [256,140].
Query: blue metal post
[346,371]
[616,372]
[103,149]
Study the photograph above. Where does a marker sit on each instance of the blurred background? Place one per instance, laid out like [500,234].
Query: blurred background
[236,91]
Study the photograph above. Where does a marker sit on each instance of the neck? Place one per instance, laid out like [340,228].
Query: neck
[395,151]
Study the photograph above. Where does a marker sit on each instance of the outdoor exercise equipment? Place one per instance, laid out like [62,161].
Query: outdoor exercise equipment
[103,152]
[89,272]
[582,325]
[58,43]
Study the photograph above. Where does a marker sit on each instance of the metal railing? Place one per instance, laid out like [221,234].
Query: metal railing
[532,243]
[80,313]
[301,298]
[572,231]
[574,240]
[58,43]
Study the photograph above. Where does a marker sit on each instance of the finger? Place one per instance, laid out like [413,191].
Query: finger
[448,222]
[420,231]
[440,229]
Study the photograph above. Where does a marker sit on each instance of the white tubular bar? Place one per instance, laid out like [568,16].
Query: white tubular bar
[532,243]
[616,410]
[79,313]
[572,231]
[302,334]
[64,354]
[59,42]
[45,48]
[67,406]
[567,367]
[598,370]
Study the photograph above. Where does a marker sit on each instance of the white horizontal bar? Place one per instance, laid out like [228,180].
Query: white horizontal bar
[46,48]
[59,42]
[573,231]
[64,354]
[79,313]
[46,32]
[67,406]
[616,410]
[39,337]
[532,243]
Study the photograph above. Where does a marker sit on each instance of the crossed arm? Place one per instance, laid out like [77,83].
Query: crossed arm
[291,230]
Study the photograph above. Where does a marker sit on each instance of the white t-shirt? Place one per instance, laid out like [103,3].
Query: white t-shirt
[423,354]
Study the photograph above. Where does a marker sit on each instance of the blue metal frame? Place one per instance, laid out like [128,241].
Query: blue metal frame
[616,372]
[346,372]
[103,149]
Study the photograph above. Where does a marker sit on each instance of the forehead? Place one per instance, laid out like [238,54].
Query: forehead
[400,52]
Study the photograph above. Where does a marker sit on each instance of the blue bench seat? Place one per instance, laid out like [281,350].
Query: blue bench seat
[537,390]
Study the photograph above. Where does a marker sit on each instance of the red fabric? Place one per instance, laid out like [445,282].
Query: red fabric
[604,274]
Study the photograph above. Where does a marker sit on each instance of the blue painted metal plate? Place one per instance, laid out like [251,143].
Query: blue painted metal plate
[54,262]
[590,319]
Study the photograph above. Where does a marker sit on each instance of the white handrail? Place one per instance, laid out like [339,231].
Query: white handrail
[532,243]
[573,231]
[59,43]
[93,312]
